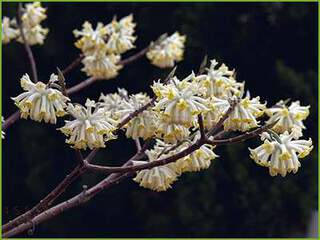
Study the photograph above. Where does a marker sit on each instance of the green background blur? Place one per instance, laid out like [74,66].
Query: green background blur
[273,47]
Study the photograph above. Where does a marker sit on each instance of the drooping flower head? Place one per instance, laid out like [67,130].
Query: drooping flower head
[168,51]
[281,155]
[39,101]
[287,118]
[179,101]
[8,31]
[120,35]
[112,102]
[91,127]
[91,40]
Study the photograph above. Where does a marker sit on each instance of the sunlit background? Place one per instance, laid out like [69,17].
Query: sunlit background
[272,46]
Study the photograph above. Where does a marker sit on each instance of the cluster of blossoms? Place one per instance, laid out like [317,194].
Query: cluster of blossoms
[102,46]
[172,116]
[40,101]
[168,51]
[32,16]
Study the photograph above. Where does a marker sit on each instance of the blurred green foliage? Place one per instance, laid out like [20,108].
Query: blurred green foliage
[273,47]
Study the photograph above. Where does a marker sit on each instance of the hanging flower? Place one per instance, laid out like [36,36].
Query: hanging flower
[287,118]
[91,128]
[143,125]
[245,114]
[40,102]
[91,40]
[112,102]
[120,35]
[171,132]
[168,51]
[157,178]
[101,66]
[221,83]
[179,101]
[281,156]
[8,32]
[34,35]
[218,108]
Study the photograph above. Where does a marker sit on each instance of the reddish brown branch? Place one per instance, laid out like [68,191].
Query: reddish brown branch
[134,57]
[73,65]
[26,46]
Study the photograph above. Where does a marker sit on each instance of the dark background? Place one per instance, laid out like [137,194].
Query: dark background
[273,47]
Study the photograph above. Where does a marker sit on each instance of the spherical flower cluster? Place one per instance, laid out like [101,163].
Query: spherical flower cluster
[8,31]
[39,101]
[120,35]
[33,15]
[143,125]
[91,127]
[221,83]
[157,178]
[281,155]
[112,102]
[244,117]
[102,46]
[179,101]
[168,51]
[288,118]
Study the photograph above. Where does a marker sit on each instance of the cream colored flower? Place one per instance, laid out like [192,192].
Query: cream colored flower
[167,52]
[120,35]
[91,40]
[8,32]
[218,108]
[101,66]
[91,128]
[157,178]
[40,102]
[33,14]
[34,35]
[171,132]
[179,101]
[143,125]
[281,156]
[221,83]
[287,118]
[112,102]
[245,114]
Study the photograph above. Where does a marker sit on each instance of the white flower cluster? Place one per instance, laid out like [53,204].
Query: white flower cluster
[91,128]
[281,155]
[102,46]
[40,102]
[32,16]
[168,51]
[160,178]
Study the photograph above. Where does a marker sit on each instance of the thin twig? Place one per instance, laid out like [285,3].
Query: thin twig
[73,65]
[26,46]
[201,127]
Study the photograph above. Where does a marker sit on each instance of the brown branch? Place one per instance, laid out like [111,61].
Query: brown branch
[73,65]
[26,46]
[201,127]
[11,120]
[134,57]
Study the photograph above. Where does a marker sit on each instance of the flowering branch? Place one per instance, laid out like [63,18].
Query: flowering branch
[26,46]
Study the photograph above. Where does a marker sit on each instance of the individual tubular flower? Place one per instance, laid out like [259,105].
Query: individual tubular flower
[112,102]
[178,101]
[91,128]
[101,66]
[92,40]
[120,35]
[39,101]
[221,83]
[281,156]
[287,118]
[168,51]
[33,15]
[245,114]
[8,32]
[143,125]
[157,178]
